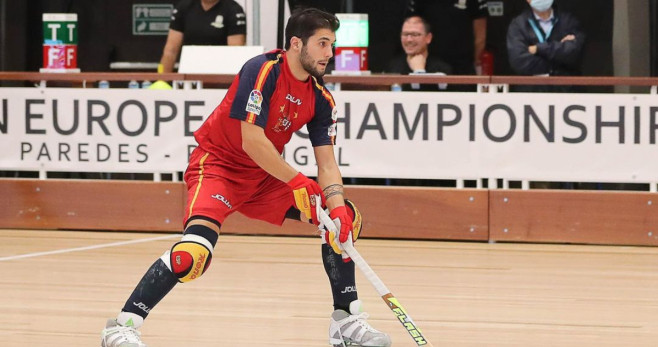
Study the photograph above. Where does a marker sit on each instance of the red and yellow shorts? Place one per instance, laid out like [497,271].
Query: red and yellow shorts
[215,192]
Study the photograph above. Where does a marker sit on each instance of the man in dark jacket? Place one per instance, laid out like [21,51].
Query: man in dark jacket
[415,38]
[543,41]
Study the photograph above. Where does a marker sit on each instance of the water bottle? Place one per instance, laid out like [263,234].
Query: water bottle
[103,84]
[146,84]
[396,87]
[133,84]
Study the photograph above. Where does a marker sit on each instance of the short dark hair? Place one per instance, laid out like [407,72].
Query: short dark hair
[426,23]
[304,22]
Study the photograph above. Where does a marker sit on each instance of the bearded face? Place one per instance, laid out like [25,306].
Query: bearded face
[315,68]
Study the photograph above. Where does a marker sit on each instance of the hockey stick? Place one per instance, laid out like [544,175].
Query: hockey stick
[376,282]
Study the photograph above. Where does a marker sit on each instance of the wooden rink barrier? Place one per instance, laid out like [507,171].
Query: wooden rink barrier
[612,217]
[400,213]
[554,216]
[91,204]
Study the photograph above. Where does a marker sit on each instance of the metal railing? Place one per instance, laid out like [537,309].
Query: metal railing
[381,80]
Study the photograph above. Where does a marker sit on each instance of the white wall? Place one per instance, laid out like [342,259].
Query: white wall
[630,43]
[268,10]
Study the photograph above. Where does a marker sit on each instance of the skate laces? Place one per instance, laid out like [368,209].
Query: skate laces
[129,334]
[360,319]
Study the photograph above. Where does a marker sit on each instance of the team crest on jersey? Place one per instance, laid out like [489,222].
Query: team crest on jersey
[218,23]
[254,102]
[461,4]
[284,122]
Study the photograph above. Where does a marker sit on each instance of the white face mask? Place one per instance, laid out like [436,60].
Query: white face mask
[541,5]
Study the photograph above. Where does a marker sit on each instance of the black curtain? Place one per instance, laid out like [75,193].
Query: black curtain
[331,6]
[104,32]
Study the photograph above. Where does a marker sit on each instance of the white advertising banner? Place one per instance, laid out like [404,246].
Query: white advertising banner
[100,130]
[544,137]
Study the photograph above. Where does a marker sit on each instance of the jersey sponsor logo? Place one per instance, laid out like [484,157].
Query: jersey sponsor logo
[218,23]
[255,101]
[334,113]
[142,307]
[294,100]
[240,19]
[222,199]
[332,130]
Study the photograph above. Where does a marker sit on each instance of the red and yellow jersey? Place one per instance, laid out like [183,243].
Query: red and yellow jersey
[265,93]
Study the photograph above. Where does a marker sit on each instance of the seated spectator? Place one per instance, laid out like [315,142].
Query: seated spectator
[415,38]
[460,28]
[203,23]
[543,41]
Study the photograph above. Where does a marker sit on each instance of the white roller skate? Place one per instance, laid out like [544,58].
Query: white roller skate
[126,335]
[352,329]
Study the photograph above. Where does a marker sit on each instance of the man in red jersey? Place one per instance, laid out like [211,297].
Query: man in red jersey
[238,167]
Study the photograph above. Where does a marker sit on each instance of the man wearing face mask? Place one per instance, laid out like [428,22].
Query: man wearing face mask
[544,41]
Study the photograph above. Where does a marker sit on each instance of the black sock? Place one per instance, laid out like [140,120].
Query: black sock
[341,278]
[153,286]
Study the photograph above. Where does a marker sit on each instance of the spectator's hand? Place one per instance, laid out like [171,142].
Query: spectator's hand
[532,49]
[568,38]
[416,62]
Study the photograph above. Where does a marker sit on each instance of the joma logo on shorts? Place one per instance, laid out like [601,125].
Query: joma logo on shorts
[222,199]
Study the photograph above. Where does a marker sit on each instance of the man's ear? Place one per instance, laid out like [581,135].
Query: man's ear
[429,38]
[296,43]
